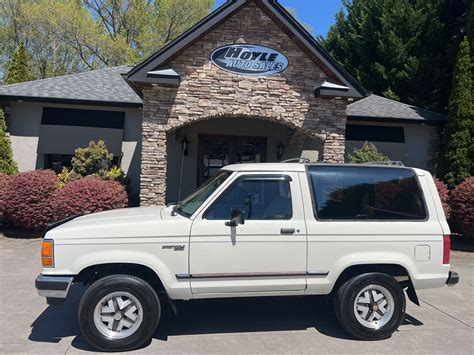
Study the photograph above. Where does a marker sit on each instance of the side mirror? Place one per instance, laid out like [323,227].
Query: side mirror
[236,218]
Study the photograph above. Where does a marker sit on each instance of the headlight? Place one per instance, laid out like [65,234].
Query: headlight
[47,253]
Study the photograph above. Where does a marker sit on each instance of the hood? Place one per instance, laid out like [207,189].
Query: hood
[136,214]
[124,222]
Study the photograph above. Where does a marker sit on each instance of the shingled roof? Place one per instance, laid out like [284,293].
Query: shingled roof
[96,87]
[374,107]
[107,87]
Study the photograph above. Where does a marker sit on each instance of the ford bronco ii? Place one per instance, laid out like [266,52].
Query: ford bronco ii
[363,234]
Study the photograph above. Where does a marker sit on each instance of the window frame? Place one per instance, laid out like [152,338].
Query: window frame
[410,170]
[268,177]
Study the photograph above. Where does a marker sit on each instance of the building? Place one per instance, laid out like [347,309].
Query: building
[246,84]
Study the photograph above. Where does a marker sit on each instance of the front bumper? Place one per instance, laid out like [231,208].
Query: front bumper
[53,287]
[453,278]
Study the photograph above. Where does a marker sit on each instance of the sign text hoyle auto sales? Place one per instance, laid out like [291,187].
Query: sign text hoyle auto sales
[249,59]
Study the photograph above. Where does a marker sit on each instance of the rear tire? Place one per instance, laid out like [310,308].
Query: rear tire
[370,306]
[119,313]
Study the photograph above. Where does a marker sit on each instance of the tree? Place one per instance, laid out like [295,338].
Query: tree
[69,36]
[402,49]
[367,153]
[7,164]
[458,159]
[17,71]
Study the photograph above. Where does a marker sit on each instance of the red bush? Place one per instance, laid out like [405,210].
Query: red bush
[443,195]
[4,181]
[28,202]
[88,195]
[462,207]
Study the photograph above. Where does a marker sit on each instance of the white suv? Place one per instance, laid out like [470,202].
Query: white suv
[361,233]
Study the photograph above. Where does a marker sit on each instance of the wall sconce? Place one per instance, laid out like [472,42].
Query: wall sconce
[280,149]
[185,145]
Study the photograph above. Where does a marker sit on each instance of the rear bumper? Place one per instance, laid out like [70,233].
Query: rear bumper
[53,287]
[453,278]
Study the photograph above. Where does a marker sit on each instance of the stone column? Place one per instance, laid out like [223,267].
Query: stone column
[334,147]
[153,172]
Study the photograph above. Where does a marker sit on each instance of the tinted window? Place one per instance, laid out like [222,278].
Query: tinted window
[366,193]
[82,118]
[258,198]
[375,133]
[191,203]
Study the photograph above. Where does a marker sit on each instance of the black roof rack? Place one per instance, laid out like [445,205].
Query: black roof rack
[297,160]
[384,162]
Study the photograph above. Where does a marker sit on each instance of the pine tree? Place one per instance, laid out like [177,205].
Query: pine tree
[7,164]
[17,71]
[458,160]
[402,49]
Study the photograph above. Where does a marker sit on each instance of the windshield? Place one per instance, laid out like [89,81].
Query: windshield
[191,203]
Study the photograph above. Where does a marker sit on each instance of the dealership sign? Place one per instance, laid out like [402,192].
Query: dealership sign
[249,59]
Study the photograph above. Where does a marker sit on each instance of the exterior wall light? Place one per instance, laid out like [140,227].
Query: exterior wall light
[280,149]
[185,145]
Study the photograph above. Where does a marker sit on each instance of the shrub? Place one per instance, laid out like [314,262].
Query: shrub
[66,176]
[7,164]
[93,160]
[4,181]
[90,194]
[367,153]
[443,195]
[29,197]
[462,207]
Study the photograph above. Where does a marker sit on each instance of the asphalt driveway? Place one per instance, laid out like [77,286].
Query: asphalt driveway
[443,324]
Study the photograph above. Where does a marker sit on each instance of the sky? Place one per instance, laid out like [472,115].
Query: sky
[318,14]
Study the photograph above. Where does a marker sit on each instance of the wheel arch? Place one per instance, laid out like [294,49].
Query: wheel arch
[399,272]
[94,272]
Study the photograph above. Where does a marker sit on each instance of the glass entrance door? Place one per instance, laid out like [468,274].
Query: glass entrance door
[216,151]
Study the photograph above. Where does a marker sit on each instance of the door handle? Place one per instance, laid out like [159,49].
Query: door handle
[287,231]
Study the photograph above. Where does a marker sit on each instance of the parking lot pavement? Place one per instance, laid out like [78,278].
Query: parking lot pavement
[443,324]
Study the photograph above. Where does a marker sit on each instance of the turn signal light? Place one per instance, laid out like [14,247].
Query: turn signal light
[446,248]
[47,253]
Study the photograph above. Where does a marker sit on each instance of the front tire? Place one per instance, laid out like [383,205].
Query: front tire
[370,306]
[119,313]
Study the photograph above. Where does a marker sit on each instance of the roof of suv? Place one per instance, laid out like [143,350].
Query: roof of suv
[259,167]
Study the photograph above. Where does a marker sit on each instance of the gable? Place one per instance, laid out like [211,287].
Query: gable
[289,30]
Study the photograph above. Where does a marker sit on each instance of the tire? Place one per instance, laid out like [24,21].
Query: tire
[375,316]
[119,313]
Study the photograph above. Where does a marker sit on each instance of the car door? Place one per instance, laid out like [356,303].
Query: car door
[265,254]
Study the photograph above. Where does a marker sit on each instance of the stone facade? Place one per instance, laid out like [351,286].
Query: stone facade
[207,92]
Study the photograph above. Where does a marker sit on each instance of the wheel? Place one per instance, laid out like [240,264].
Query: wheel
[119,313]
[370,306]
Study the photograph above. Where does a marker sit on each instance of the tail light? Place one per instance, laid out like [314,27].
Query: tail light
[47,253]
[446,248]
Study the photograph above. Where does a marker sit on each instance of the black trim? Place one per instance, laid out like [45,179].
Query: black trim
[70,101]
[453,278]
[249,275]
[53,283]
[83,118]
[397,120]
[369,133]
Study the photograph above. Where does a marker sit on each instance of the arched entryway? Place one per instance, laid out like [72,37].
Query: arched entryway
[197,150]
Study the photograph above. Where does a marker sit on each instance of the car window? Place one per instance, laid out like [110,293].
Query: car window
[366,193]
[191,203]
[258,198]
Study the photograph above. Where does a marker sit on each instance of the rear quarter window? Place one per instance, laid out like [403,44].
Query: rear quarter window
[366,193]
